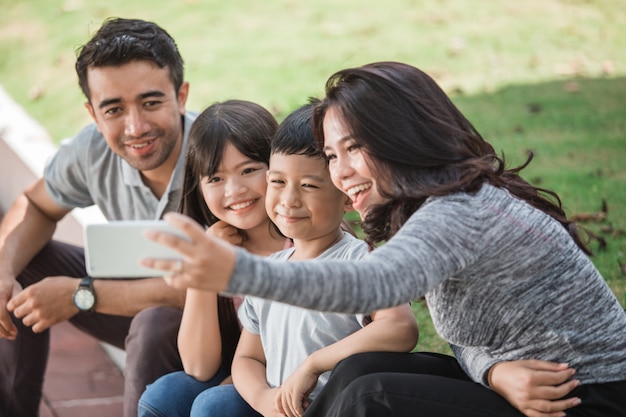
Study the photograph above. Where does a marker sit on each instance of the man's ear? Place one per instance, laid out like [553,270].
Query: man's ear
[183,94]
[91,111]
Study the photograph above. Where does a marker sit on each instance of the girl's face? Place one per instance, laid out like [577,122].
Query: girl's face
[349,165]
[235,193]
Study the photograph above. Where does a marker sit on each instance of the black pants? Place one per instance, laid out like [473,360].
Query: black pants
[149,340]
[433,385]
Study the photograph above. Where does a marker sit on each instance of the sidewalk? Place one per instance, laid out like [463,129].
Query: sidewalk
[81,379]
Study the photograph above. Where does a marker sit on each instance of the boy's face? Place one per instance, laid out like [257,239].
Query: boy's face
[301,199]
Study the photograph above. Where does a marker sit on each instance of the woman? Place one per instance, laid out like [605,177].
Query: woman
[505,274]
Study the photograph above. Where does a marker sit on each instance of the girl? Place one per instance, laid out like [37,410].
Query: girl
[224,189]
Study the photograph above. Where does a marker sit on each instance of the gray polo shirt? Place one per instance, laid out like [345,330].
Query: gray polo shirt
[85,171]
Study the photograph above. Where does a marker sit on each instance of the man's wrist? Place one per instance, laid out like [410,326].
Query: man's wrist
[84,297]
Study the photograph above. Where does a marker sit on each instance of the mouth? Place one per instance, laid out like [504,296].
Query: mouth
[353,192]
[141,145]
[240,206]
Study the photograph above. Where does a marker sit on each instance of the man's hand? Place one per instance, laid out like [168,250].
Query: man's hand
[45,303]
[8,289]
[535,387]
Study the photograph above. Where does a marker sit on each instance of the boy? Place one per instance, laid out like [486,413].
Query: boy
[284,352]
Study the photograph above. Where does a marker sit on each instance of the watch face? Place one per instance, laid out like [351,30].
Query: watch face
[84,299]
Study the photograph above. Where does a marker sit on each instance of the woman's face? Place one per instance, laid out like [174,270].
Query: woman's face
[235,193]
[349,165]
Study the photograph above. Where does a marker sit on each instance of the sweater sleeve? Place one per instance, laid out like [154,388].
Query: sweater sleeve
[475,362]
[438,241]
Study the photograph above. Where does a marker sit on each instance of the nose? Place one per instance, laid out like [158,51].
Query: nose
[340,169]
[289,197]
[135,123]
[234,187]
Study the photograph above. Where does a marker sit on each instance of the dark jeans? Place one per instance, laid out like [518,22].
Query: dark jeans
[433,385]
[149,340]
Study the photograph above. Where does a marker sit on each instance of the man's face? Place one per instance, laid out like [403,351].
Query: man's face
[138,112]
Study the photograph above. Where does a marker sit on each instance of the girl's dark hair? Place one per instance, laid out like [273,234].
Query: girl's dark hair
[421,144]
[249,128]
[120,41]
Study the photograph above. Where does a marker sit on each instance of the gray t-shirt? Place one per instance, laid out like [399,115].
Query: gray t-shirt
[85,171]
[290,334]
[503,281]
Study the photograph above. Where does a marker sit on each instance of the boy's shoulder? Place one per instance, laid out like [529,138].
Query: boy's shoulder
[349,247]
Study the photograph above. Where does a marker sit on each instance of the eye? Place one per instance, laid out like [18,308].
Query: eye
[276,181]
[353,147]
[151,103]
[249,171]
[329,156]
[213,180]
[309,186]
[112,111]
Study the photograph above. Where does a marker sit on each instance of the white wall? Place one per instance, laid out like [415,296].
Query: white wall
[24,148]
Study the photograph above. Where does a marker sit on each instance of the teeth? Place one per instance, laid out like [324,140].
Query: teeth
[240,206]
[358,188]
[141,145]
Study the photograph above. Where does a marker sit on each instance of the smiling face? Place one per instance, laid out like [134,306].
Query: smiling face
[349,165]
[301,199]
[138,113]
[235,193]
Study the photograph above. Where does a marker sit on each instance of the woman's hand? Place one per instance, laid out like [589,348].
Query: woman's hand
[535,387]
[207,264]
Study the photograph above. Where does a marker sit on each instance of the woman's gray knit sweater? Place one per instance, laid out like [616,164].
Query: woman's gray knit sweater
[503,281]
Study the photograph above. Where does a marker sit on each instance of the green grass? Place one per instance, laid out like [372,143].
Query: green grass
[541,75]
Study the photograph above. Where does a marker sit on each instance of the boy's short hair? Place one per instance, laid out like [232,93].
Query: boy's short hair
[295,134]
[120,41]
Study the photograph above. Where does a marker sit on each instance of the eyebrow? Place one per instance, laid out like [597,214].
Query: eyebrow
[340,141]
[241,164]
[308,176]
[143,96]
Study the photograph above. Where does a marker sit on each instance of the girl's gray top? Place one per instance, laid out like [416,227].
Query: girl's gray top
[503,281]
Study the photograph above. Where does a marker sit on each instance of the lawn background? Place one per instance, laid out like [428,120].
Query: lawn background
[547,76]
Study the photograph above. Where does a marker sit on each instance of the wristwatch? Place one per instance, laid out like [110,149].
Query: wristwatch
[84,297]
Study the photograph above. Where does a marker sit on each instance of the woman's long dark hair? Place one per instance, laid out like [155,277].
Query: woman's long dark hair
[249,128]
[422,145]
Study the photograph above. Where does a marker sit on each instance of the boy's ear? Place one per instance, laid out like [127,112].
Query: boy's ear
[347,205]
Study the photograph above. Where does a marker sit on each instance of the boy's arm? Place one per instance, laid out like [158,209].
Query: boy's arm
[249,375]
[199,339]
[392,330]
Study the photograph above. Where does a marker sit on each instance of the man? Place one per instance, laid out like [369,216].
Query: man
[129,163]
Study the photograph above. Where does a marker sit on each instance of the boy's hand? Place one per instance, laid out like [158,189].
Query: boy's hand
[266,404]
[45,303]
[535,387]
[293,398]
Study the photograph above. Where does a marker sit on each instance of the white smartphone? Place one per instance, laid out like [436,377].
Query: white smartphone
[115,249]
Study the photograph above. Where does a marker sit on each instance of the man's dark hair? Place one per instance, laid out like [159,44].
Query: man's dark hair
[120,41]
